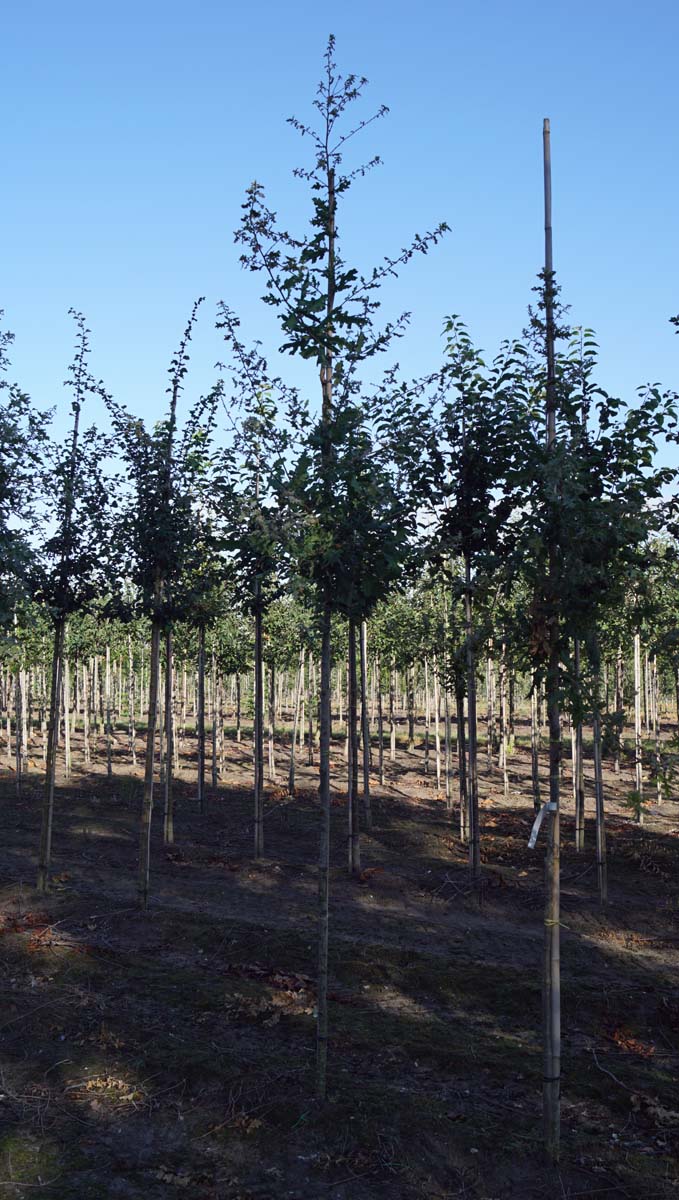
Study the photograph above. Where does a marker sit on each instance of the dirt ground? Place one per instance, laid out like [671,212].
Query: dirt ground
[171,1053]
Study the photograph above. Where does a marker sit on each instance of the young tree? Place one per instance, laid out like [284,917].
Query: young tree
[72,566]
[328,315]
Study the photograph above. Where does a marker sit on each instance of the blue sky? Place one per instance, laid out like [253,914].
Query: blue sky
[131,130]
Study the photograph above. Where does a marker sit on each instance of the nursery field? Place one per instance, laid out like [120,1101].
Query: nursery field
[170,1053]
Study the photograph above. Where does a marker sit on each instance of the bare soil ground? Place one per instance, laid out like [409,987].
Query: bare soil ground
[171,1053]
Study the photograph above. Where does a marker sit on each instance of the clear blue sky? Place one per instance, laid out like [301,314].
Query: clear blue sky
[131,130]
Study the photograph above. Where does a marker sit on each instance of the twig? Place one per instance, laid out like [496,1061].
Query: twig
[610,1073]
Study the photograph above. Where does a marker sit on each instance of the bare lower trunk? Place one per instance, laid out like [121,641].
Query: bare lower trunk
[107,715]
[259,734]
[354,828]
[168,798]
[462,762]
[638,762]
[579,767]
[147,803]
[472,778]
[535,746]
[448,746]
[200,723]
[655,705]
[365,722]
[427,717]
[619,706]
[45,854]
[215,714]
[380,722]
[392,717]
[437,723]
[272,724]
[298,694]
[324,862]
[551,992]
[67,717]
[410,687]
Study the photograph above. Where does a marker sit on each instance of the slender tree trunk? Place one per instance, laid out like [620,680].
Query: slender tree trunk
[472,777]
[380,721]
[324,860]
[410,691]
[272,724]
[619,706]
[427,717]
[67,722]
[535,746]
[354,828]
[504,724]
[168,798]
[655,704]
[462,761]
[578,763]
[259,730]
[298,695]
[107,715]
[215,706]
[200,722]
[392,716]
[437,723]
[310,705]
[86,713]
[147,803]
[130,703]
[491,708]
[238,712]
[365,722]
[448,746]
[45,855]
[638,761]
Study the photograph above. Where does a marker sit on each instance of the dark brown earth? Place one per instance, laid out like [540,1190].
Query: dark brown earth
[171,1053]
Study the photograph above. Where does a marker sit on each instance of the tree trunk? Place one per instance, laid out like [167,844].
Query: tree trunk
[324,861]
[130,704]
[147,803]
[462,761]
[215,706]
[392,717]
[491,708]
[107,715]
[578,763]
[259,731]
[619,706]
[238,714]
[380,721]
[354,828]
[504,724]
[472,777]
[298,695]
[427,717]
[448,746]
[67,723]
[655,706]
[45,855]
[365,722]
[638,762]
[410,686]
[535,746]
[200,722]
[168,798]
[272,724]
